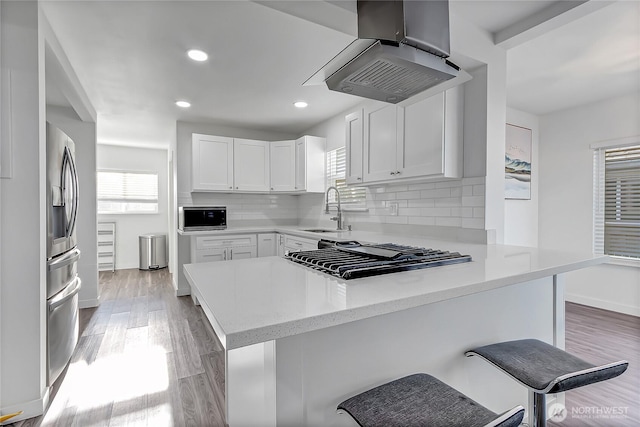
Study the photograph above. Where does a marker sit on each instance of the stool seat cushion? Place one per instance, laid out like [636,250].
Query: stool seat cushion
[545,368]
[420,400]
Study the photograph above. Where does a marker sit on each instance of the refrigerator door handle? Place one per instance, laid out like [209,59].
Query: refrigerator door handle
[64,296]
[76,193]
[64,260]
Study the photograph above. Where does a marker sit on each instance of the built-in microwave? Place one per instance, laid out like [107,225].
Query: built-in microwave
[197,218]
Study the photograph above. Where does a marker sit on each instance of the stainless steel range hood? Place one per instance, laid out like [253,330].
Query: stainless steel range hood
[401,51]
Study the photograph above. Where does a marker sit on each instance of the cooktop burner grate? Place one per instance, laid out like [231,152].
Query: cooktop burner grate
[353,260]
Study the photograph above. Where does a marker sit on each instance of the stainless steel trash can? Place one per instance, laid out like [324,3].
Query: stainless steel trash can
[153,251]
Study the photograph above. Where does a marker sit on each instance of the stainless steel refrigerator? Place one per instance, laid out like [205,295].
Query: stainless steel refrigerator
[63,283]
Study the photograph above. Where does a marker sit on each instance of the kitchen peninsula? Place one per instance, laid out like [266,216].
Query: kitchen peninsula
[299,341]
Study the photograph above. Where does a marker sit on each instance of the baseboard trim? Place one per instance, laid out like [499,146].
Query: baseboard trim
[32,409]
[603,304]
[89,303]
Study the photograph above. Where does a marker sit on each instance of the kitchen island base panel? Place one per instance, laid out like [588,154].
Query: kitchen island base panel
[300,379]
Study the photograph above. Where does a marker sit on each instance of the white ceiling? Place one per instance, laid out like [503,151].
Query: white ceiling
[130,58]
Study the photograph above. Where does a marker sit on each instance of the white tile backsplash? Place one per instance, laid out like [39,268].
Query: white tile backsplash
[452,203]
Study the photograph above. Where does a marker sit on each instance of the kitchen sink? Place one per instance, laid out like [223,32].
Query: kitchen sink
[321,230]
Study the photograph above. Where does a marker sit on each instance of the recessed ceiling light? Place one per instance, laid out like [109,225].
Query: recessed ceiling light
[197,55]
[183,104]
[300,104]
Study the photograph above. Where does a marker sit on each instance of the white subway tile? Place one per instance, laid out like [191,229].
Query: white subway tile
[478,190]
[478,212]
[473,181]
[462,212]
[422,186]
[410,211]
[408,195]
[420,203]
[433,194]
[447,202]
[477,223]
[473,201]
[395,188]
[449,184]
[456,191]
[421,220]
[386,196]
[467,190]
[448,221]
[436,212]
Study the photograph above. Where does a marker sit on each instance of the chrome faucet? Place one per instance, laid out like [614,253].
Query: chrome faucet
[338,217]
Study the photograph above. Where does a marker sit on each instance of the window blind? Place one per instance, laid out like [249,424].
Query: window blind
[336,176]
[618,201]
[127,192]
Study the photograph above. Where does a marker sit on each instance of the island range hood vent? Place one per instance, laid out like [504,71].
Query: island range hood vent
[401,51]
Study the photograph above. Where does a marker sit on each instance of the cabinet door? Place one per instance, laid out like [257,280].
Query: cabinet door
[267,244]
[283,165]
[380,136]
[209,255]
[242,252]
[251,165]
[421,151]
[211,163]
[353,147]
[301,165]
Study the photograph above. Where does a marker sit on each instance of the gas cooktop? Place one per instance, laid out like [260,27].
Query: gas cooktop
[352,260]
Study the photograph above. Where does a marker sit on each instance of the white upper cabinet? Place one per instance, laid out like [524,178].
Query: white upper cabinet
[354,138]
[420,141]
[212,163]
[283,165]
[251,165]
[310,164]
[380,142]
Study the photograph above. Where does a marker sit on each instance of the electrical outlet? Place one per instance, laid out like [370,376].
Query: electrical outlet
[393,208]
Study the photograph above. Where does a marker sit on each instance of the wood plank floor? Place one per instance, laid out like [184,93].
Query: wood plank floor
[601,336]
[144,358]
[147,358]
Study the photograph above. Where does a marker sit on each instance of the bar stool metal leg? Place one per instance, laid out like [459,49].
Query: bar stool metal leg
[539,409]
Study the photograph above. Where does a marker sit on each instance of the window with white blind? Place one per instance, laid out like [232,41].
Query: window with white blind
[127,192]
[350,197]
[617,201]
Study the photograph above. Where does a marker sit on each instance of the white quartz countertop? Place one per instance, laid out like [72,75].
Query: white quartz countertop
[261,299]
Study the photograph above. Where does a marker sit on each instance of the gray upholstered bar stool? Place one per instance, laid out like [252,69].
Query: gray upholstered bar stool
[422,400]
[543,369]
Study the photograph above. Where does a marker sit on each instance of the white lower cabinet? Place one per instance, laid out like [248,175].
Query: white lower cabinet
[267,244]
[223,248]
[297,244]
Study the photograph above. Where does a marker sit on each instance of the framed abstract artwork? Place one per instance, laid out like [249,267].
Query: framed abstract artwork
[517,163]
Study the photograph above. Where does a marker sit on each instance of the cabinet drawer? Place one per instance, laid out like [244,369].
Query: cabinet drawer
[299,243]
[206,242]
[209,255]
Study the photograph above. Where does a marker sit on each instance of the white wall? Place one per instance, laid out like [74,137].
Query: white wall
[129,227]
[83,135]
[521,216]
[566,196]
[22,212]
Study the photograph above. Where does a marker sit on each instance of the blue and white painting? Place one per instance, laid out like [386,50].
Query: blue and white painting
[517,163]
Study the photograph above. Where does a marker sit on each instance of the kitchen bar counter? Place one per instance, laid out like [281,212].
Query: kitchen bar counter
[299,341]
[257,300]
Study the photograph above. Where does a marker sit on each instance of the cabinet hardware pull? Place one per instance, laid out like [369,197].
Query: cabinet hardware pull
[392,173]
[397,172]
[230,188]
[225,255]
[359,179]
[231,256]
